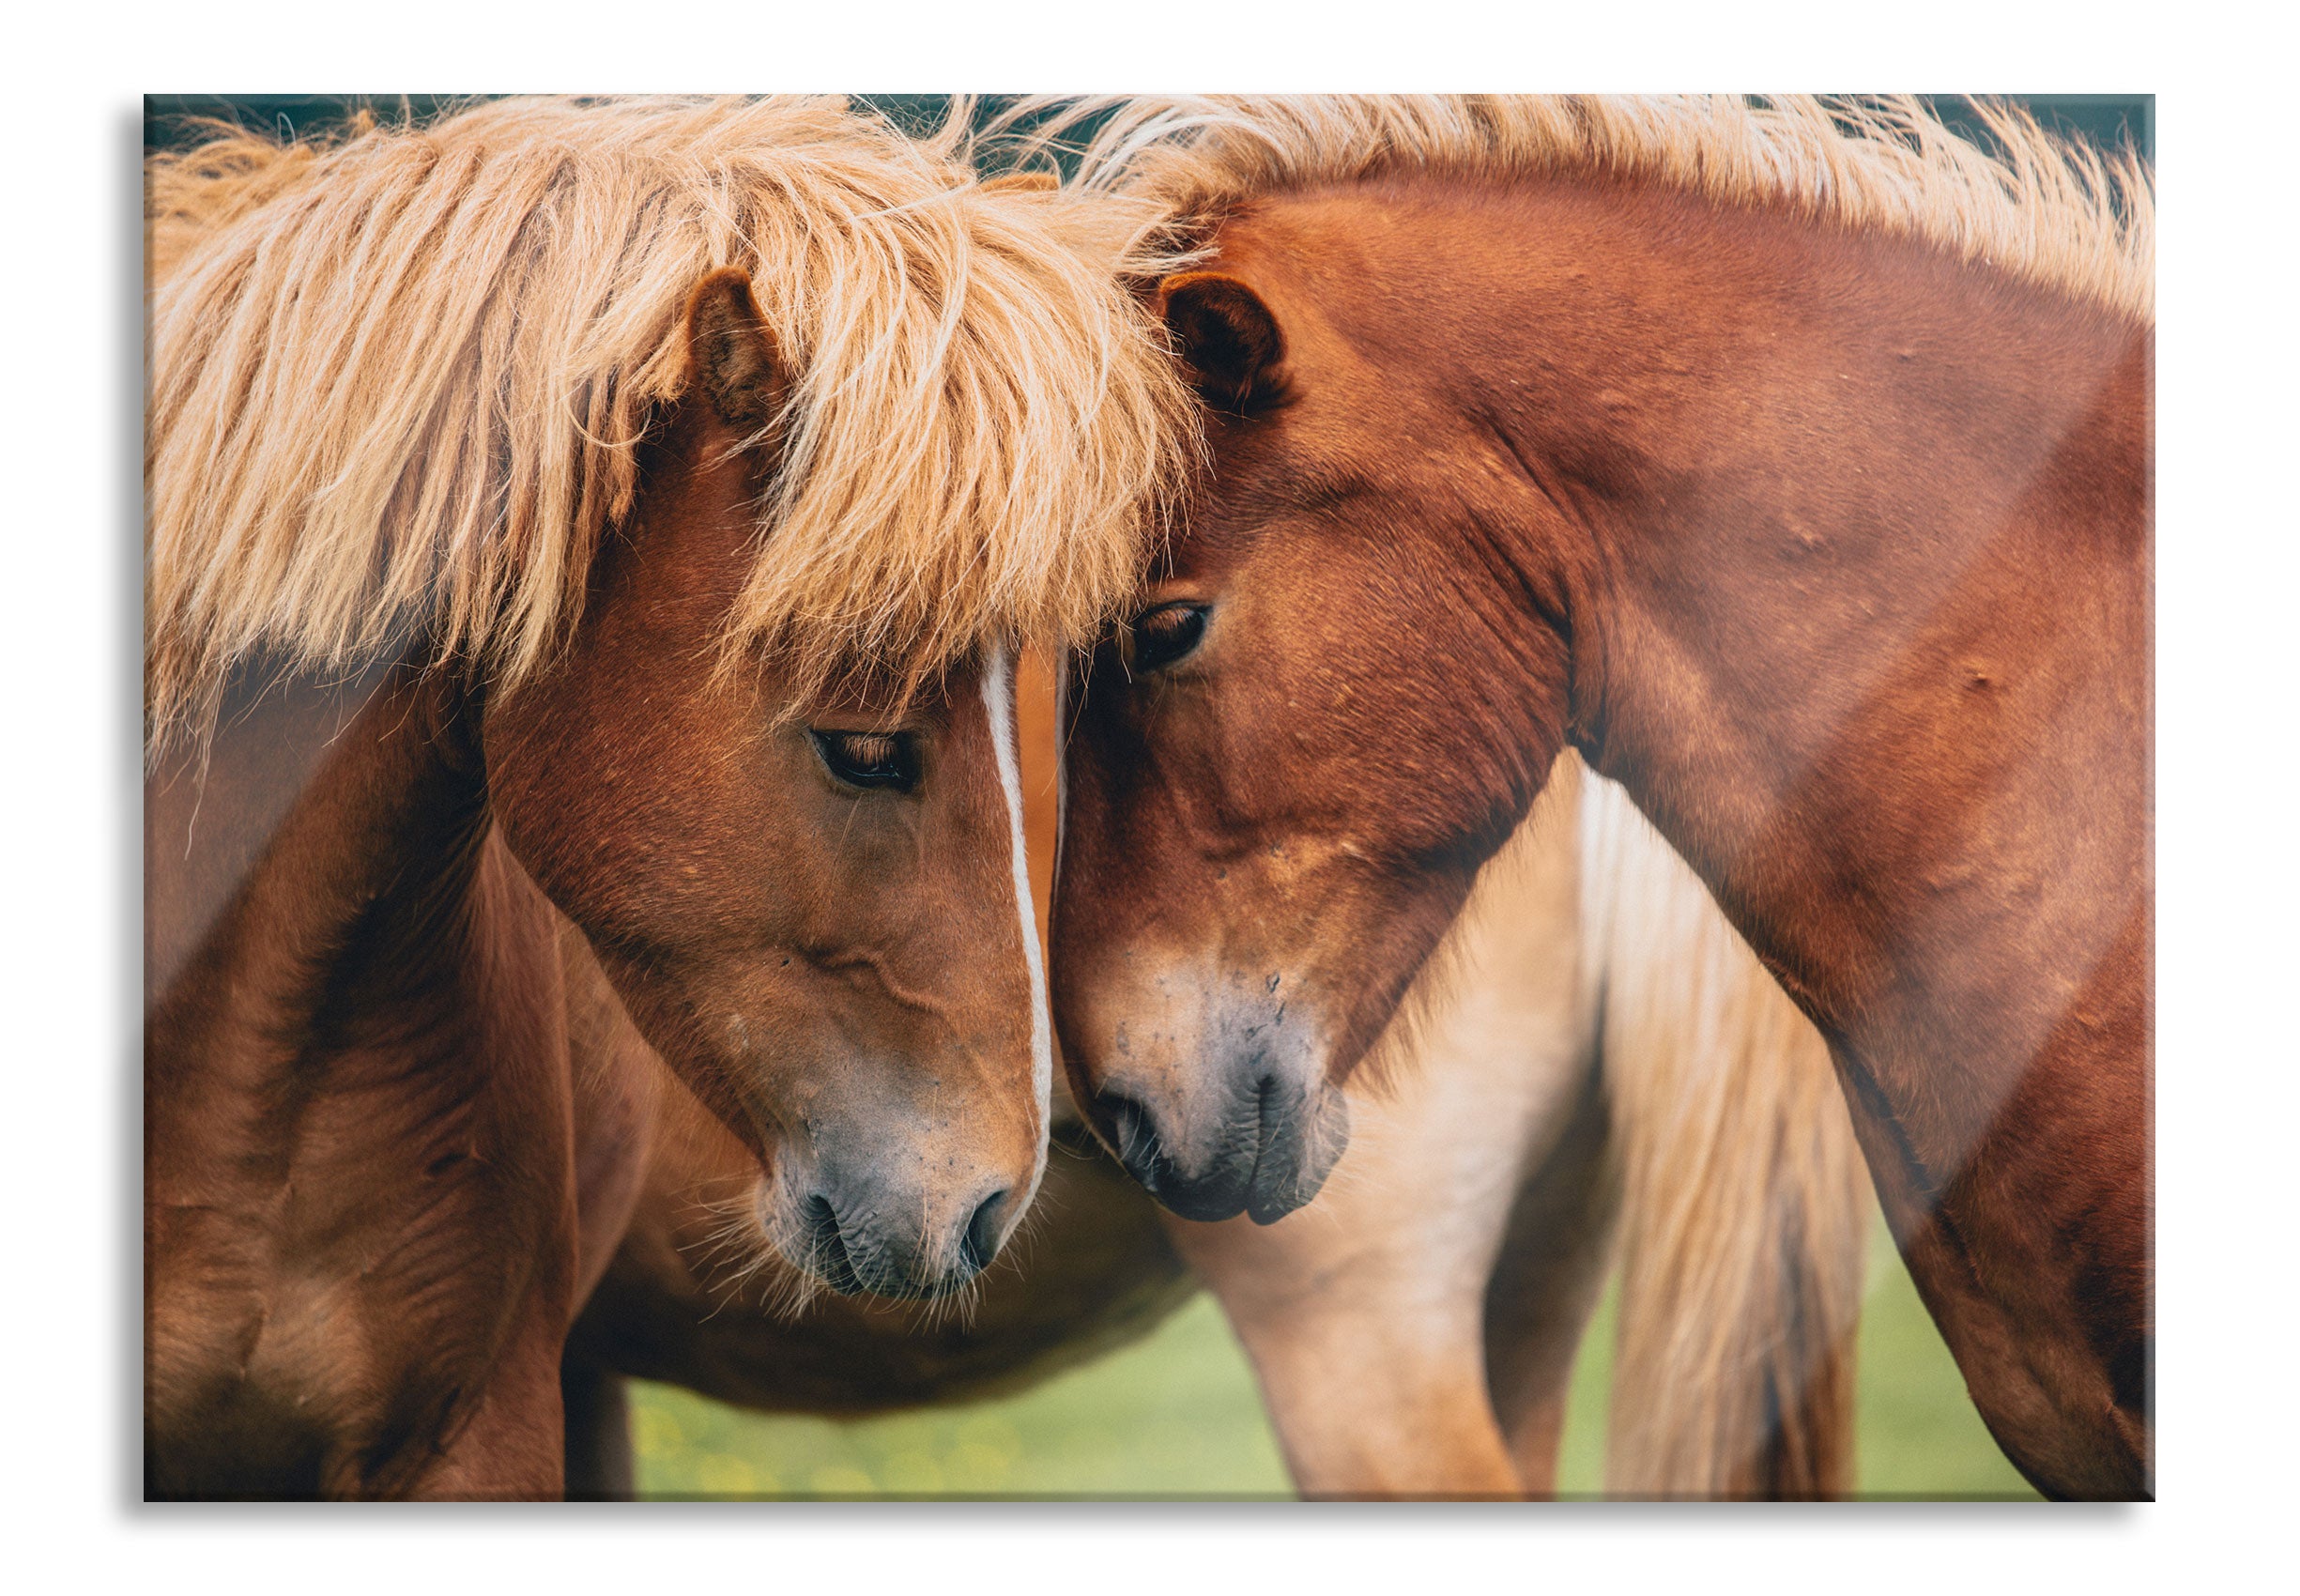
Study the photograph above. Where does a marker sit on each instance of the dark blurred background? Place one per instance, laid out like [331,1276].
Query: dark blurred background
[171,120]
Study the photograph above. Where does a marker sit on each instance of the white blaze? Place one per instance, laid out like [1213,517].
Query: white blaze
[998,698]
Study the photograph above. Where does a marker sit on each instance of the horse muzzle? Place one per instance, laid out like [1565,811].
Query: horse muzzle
[870,1241]
[1263,1151]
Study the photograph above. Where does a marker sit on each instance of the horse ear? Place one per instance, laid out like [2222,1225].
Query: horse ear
[730,351]
[1228,336]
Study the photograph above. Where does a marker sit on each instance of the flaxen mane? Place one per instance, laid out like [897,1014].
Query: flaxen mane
[1744,1200]
[398,379]
[2053,211]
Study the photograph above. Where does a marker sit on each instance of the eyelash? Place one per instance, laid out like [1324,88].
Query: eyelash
[1143,647]
[870,759]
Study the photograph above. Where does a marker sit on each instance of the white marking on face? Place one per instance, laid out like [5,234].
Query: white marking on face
[998,698]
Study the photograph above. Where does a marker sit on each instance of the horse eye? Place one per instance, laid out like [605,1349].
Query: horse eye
[870,759]
[1161,636]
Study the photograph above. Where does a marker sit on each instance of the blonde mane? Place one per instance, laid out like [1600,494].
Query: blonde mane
[2051,210]
[399,378]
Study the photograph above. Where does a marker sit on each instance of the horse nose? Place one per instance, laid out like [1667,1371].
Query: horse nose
[981,1241]
[853,1241]
[1266,1154]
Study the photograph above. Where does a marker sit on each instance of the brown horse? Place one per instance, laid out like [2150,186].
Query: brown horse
[1609,1073]
[1792,465]
[689,469]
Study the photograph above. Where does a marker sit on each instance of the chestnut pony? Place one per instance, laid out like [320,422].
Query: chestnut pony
[588,546]
[1792,464]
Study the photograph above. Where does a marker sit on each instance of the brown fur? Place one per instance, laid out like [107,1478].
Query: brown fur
[361,1249]
[1832,546]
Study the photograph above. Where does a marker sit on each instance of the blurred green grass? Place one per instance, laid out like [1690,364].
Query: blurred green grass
[1177,1414]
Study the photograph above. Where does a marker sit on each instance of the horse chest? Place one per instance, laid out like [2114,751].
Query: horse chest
[327,1350]
[323,1318]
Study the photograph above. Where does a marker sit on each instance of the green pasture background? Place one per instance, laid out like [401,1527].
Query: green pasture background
[1177,1414]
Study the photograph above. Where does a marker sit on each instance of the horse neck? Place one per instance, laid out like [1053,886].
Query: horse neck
[1856,539]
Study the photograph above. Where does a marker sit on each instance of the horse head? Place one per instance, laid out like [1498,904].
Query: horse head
[1245,895]
[808,897]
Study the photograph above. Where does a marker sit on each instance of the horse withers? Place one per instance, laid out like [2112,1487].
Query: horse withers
[698,465]
[1792,464]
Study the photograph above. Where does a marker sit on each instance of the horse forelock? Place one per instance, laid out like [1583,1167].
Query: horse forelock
[2052,210]
[399,380]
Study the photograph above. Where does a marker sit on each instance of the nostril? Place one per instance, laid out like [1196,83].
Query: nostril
[981,1242]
